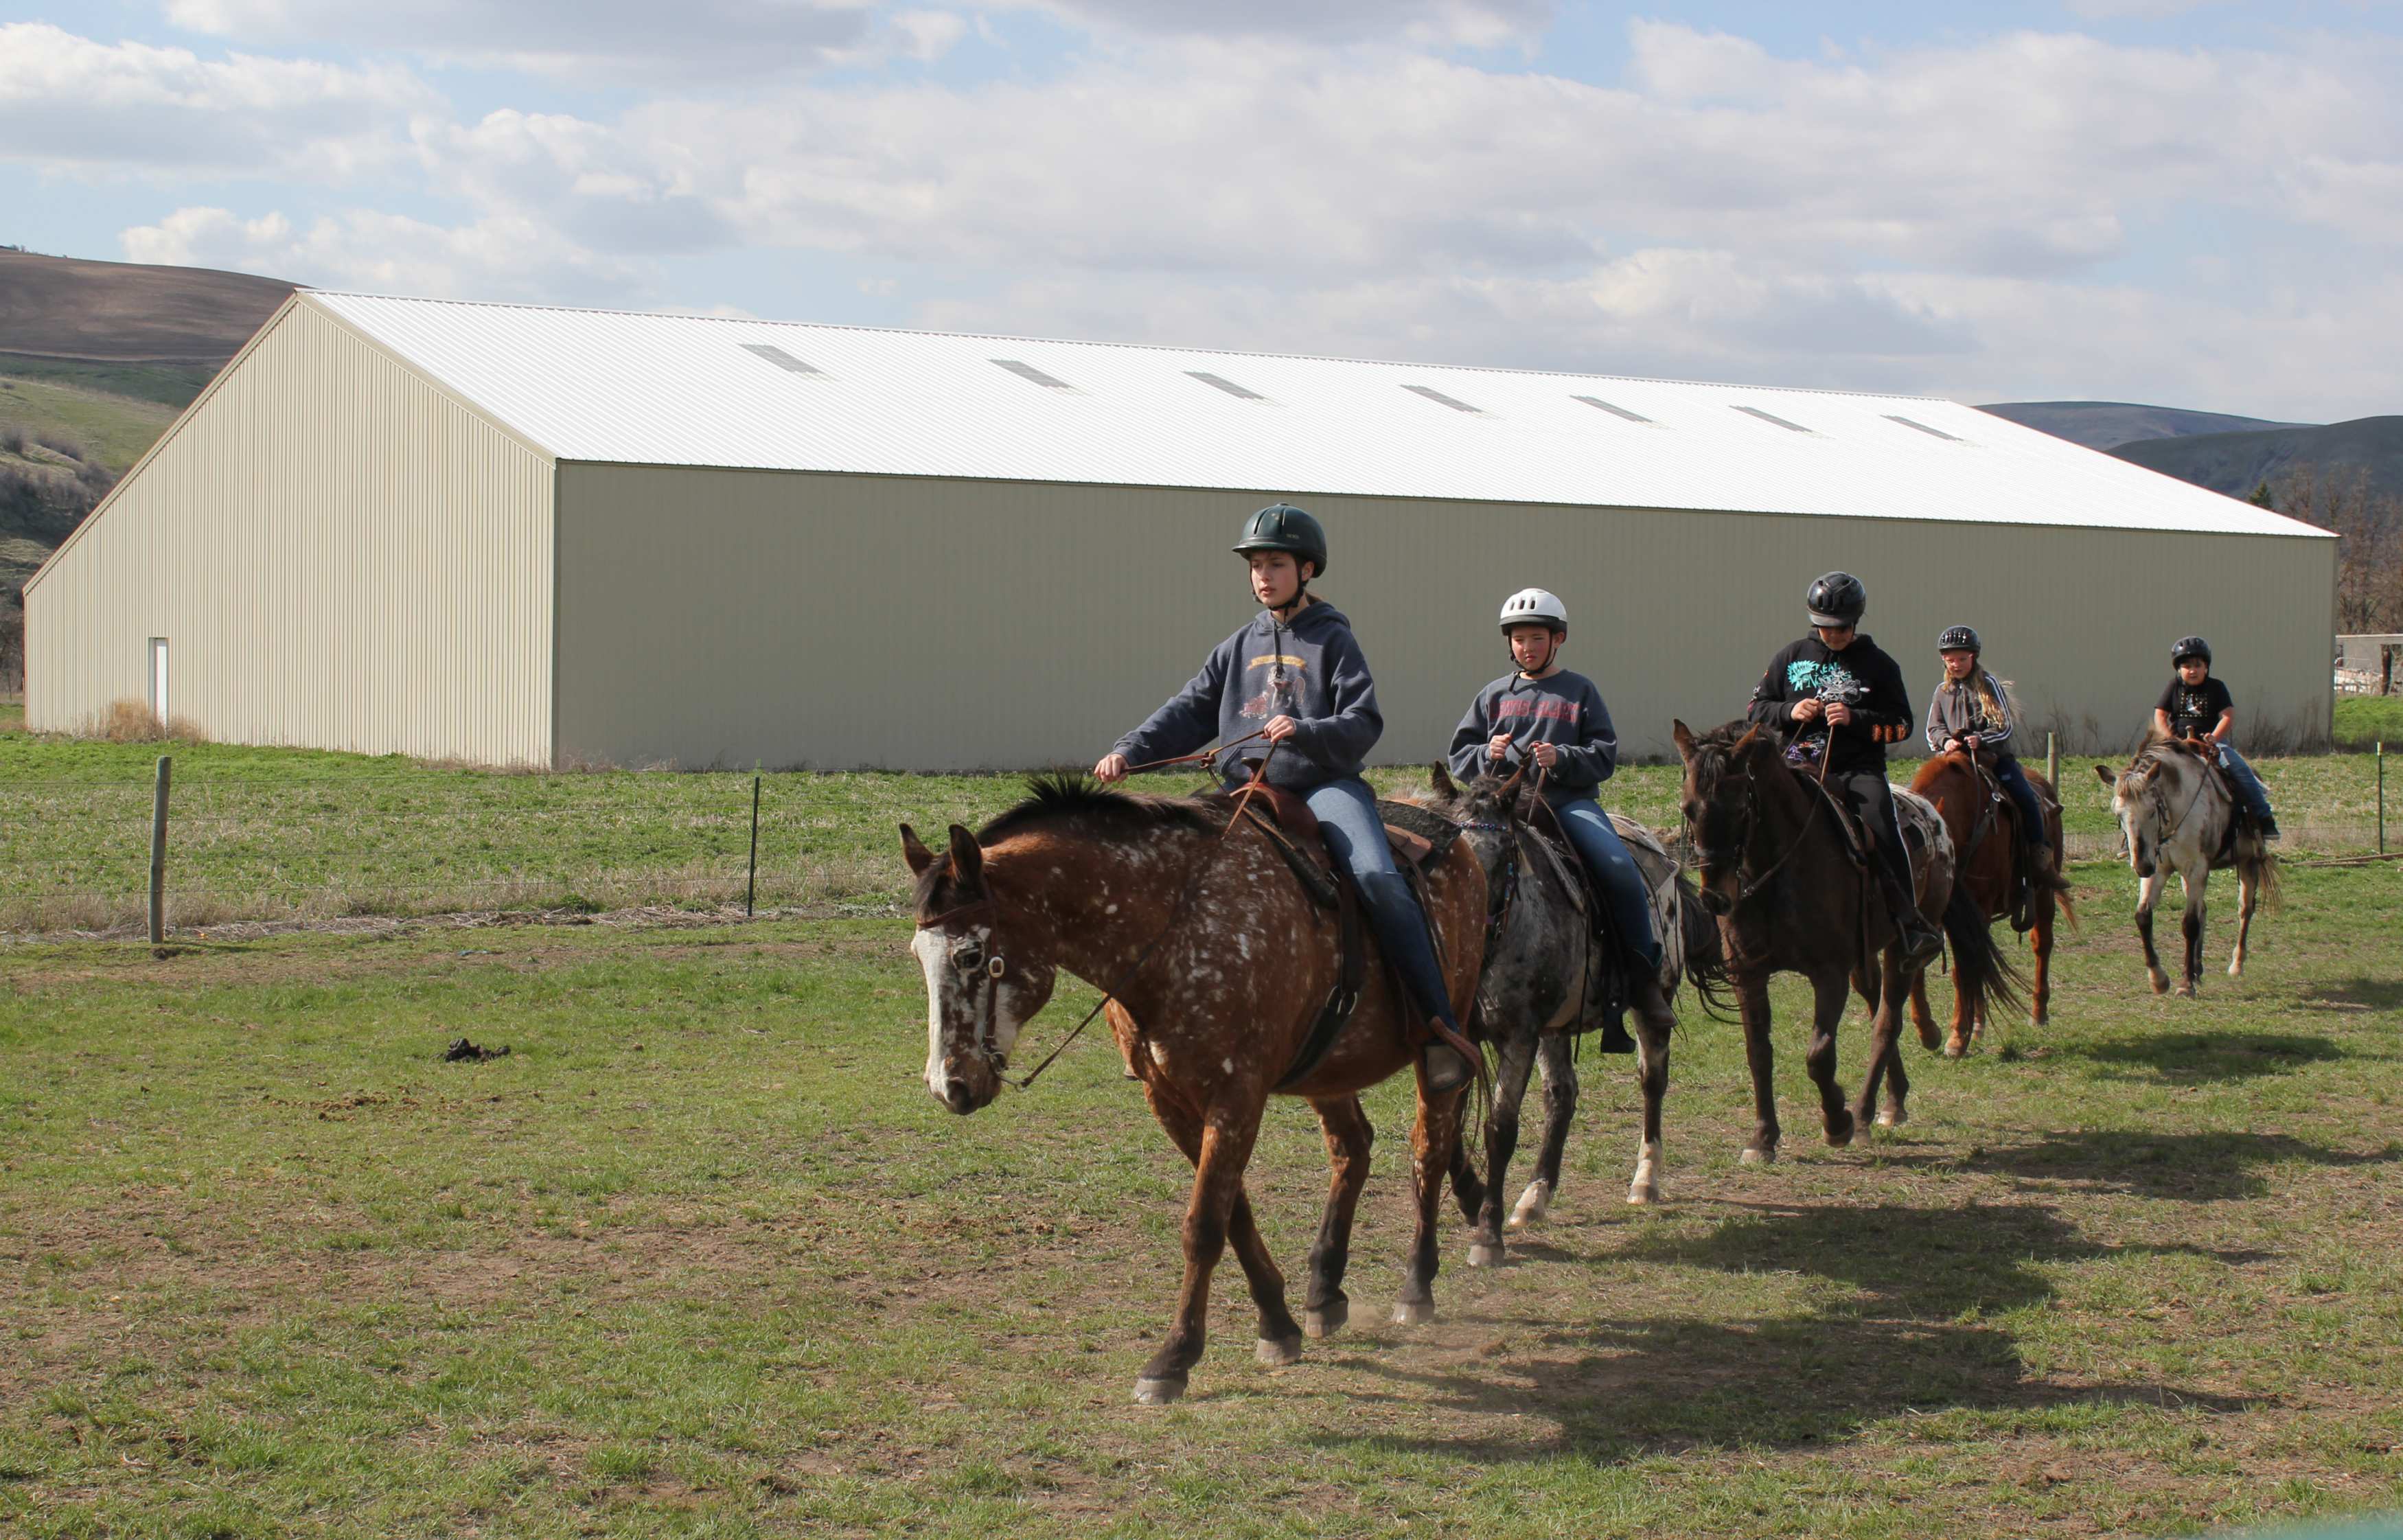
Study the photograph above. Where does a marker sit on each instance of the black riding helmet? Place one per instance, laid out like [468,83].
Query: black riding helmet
[2189,646]
[1281,526]
[1837,600]
[1957,637]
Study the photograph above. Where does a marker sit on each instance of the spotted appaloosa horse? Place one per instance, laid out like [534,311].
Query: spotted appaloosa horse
[1218,963]
[1540,986]
[1983,840]
[1776,868]
[2175,812]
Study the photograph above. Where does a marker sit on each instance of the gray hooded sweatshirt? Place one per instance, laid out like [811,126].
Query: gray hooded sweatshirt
[1311,671]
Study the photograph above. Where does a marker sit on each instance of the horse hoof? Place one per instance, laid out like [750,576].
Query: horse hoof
[1644,1195]
[2186,991]
[1151,1391]
[1483,1254]
[1277,1352]
[1753,1155]
[1956,1049]
[1533,1204]
[1326,1323]
[1892,1117]
[1840,1133]
[2160,983]
[1413,1312]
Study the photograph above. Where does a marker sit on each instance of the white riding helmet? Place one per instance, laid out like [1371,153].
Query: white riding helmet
[1535,607]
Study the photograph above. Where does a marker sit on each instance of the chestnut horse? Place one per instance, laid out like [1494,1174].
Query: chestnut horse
[1984,837]
[1777,871]
[1216,962]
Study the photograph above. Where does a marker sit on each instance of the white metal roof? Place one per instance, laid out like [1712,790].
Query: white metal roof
[686,390]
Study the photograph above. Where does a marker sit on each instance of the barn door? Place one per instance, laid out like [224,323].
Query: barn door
[158,677]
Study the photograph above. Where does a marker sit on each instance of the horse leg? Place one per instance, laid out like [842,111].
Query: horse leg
[1345,1124]
[2248,891]
[1652,1073]
[1467,1187]
[1501,1141]
[1560,1107]
[1833,992]
[2040,939]
[1921,1017]
[1752,1003]
[1432,1138]
[2190,928]
[1225,1146]
[1885,1056]
[2148,897]
[1965,1021]
[1280,1337]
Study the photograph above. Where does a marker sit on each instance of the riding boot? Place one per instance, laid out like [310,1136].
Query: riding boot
[1447,1070]
[1921,941]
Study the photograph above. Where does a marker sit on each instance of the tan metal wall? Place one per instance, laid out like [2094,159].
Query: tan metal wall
[341,555]
[723,617]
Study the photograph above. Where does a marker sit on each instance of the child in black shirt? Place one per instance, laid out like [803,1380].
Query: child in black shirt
[2196,705]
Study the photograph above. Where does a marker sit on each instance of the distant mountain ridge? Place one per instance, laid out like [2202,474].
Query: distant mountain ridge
[2108,424]
[2236,462]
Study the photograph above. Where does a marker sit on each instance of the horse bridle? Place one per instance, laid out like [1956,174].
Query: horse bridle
[1744,846]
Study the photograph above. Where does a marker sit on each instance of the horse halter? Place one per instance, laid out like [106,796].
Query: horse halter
[982,971]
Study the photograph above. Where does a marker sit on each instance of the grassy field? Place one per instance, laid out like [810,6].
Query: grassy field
[117,430]
[2363,719]
[172,385]
[702,1257]
[278,834]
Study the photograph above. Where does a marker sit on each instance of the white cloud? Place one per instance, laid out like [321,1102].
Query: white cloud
[1476,23]
[498,257]
[67,102]
[633,41]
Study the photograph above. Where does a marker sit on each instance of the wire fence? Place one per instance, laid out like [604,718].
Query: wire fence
[75,852]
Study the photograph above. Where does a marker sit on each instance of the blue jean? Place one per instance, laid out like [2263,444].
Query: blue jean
[2015,781]
[1356,836]
[2249,785]
[1616,873]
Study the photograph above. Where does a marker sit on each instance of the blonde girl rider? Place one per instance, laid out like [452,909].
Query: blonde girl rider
[1295,675]
[1559,719]
[1972,711]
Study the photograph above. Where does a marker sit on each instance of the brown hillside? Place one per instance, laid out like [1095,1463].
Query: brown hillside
[60,307]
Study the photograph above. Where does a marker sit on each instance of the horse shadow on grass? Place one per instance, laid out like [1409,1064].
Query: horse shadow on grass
[2355,994]
[2186,1057]
[2205,1168]
[1904,1332]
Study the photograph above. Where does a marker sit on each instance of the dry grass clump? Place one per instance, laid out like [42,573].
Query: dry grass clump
[126,720]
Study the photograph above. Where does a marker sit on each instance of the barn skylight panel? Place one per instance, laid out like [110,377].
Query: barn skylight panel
[1615,412]
[1220,382]
[1441,399]
[784,360]
[1028,371]
[1770,417]
[1932,433]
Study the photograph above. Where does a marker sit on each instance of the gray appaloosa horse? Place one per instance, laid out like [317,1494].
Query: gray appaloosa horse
[1542,985]
[2174,812]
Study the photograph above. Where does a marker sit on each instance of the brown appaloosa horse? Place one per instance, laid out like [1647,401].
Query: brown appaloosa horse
[1776,869]
[1218,964]
[1987,844]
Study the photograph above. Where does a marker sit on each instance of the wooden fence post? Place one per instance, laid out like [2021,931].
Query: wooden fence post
[159,852]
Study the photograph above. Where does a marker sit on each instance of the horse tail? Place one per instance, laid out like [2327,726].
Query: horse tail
[1981,973]
[2267,884]
[1706,964]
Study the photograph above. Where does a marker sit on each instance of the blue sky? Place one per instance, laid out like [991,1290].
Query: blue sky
[2182,201]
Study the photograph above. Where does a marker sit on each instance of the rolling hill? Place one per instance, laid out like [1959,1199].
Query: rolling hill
[2107,424]
[2236,462]
[64,310]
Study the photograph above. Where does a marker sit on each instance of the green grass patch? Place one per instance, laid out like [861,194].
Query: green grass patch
[172,385]
[115,430]
[2362,720]
[702,1256]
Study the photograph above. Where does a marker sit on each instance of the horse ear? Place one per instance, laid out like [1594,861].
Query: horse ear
[1749,742]
[1683,736]
[967,857]
[2107,778]
[1440,779]
[917,855]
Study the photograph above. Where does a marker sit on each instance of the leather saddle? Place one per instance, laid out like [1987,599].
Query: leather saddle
[1419,839]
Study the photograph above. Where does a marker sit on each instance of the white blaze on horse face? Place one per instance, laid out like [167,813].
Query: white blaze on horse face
[933,957]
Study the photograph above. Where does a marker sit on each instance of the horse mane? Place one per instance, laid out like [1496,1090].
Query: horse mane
[1071,796]
[1714,746]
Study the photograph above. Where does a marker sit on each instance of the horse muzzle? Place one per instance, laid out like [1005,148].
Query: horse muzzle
[964,1086]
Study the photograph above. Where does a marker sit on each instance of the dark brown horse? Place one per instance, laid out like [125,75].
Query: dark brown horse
[1777,871]
[1987,844]
[1218,963]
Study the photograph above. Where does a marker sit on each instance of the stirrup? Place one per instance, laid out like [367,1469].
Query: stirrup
[1447,1069]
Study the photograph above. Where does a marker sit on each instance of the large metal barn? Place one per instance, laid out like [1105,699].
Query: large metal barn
[518,536]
